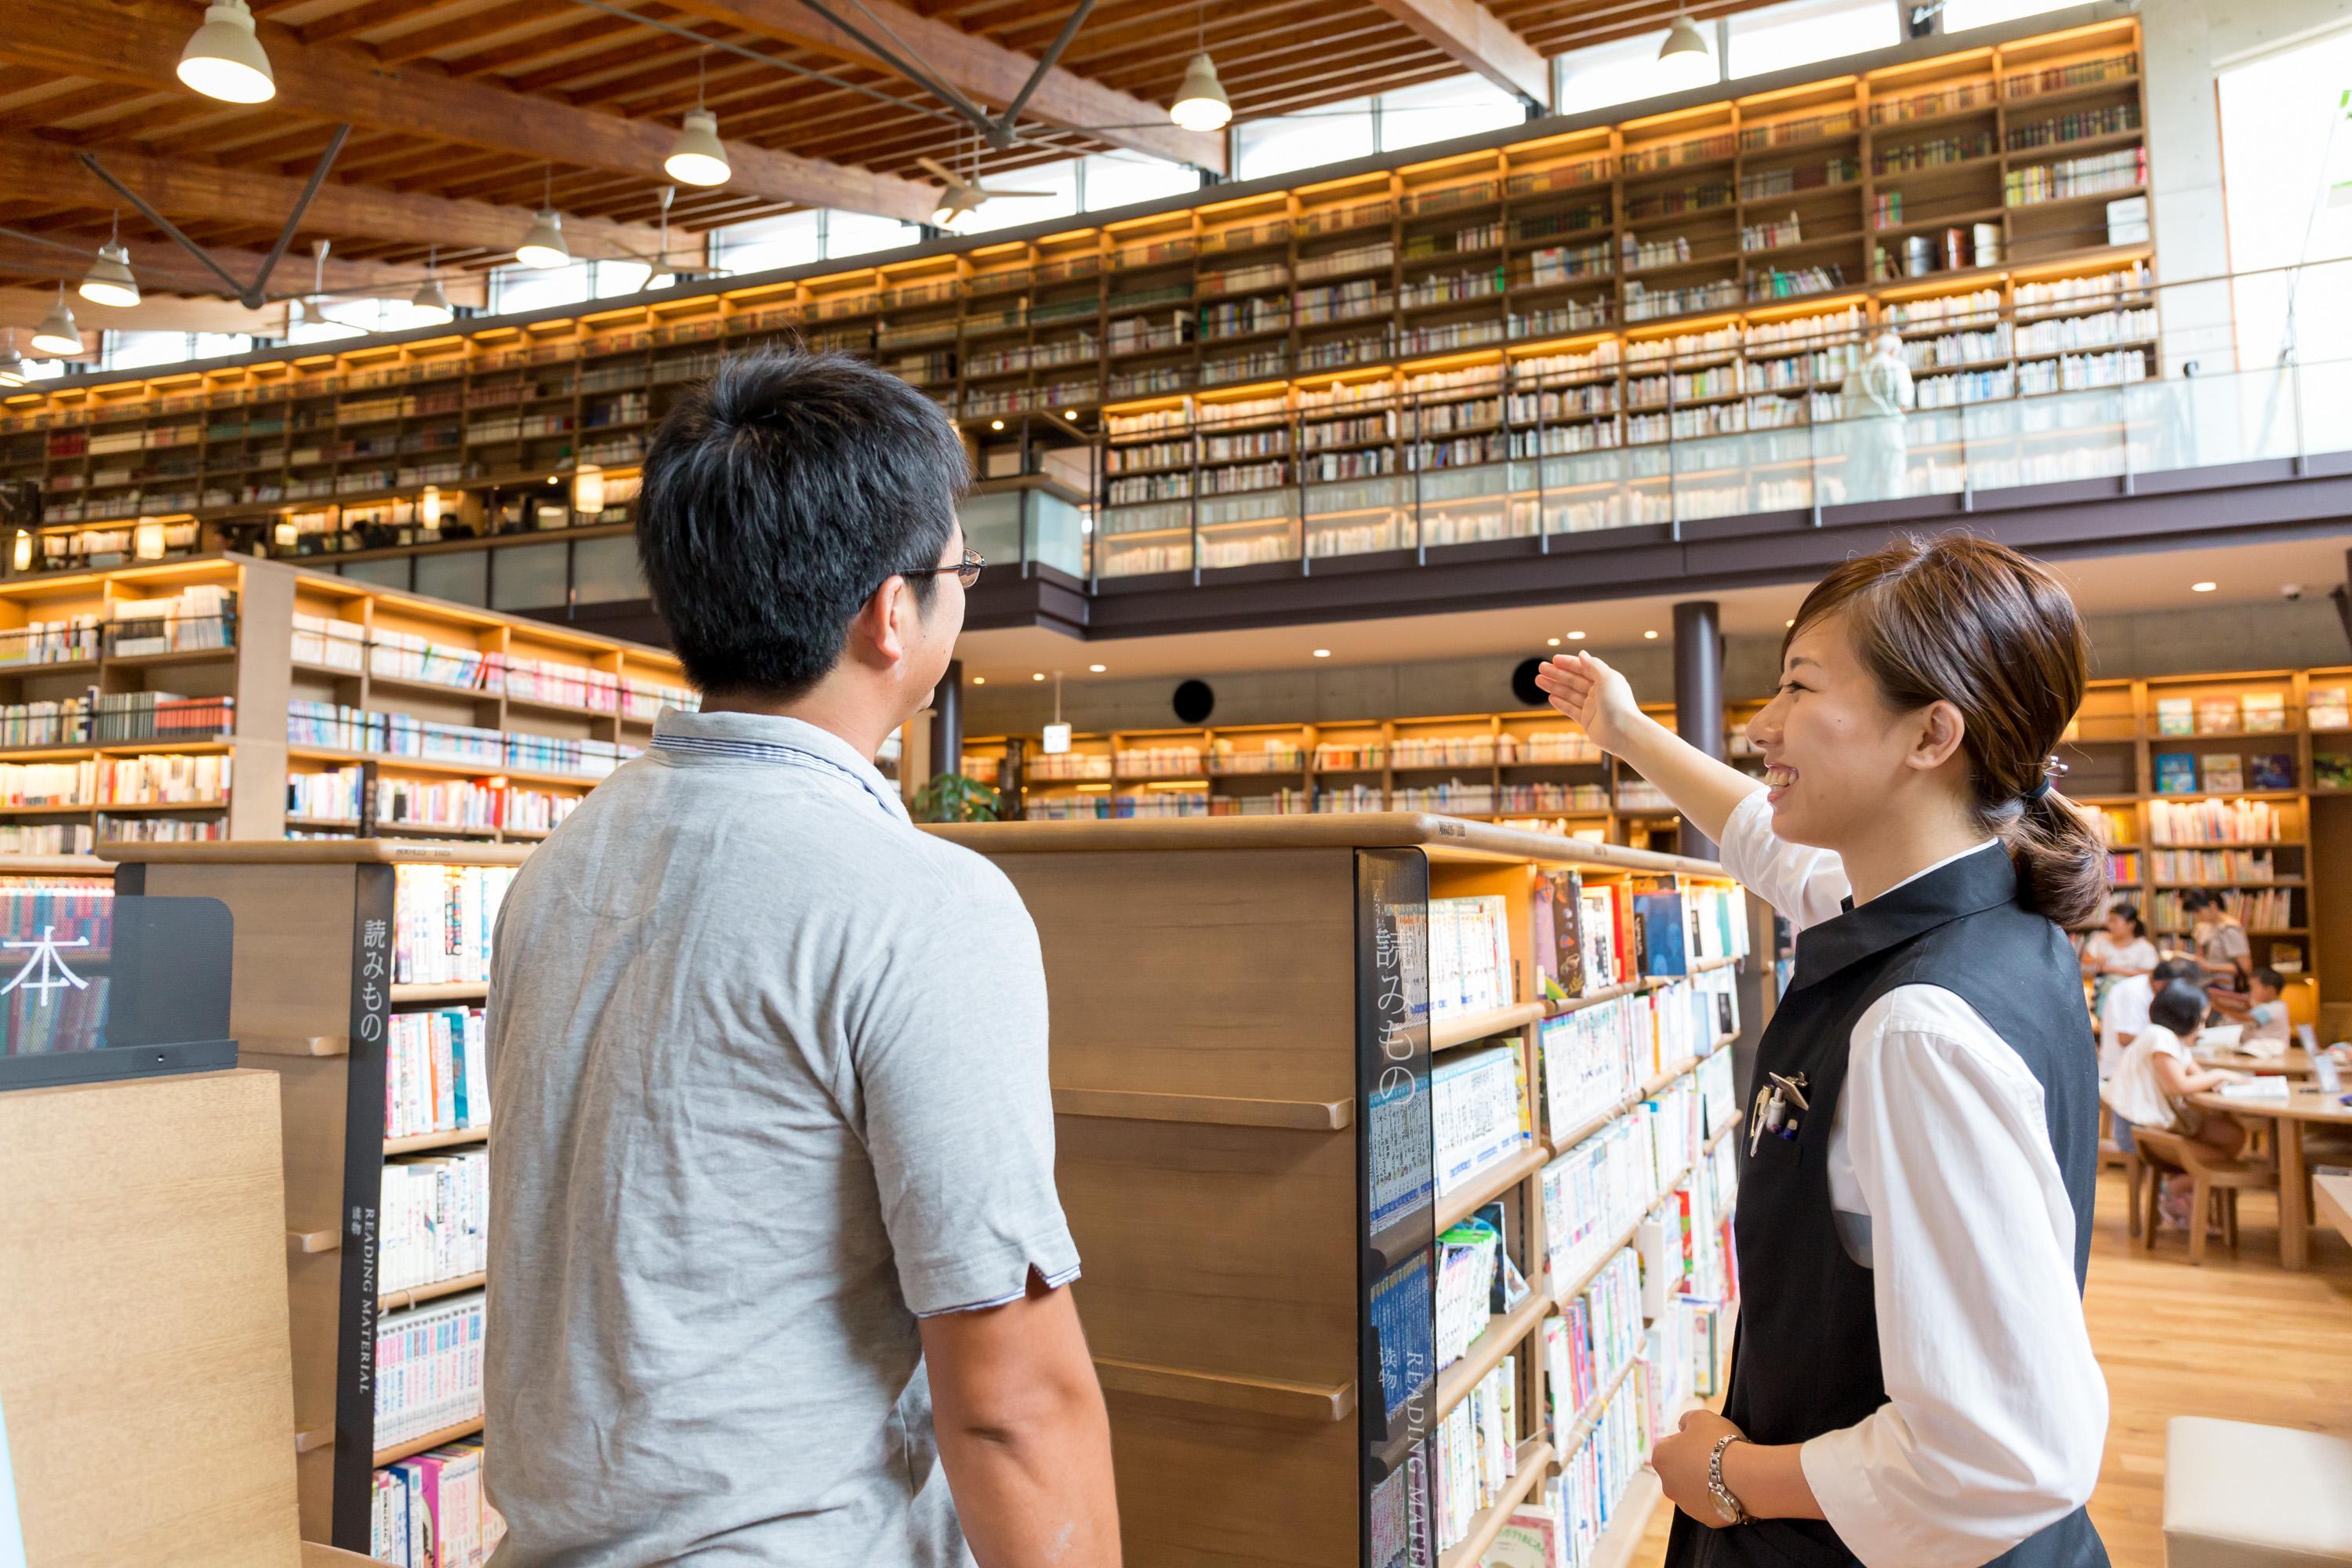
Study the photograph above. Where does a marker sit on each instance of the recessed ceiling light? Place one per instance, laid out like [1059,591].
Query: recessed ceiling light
[1651,637]
[1069,413]
[1322,653]
[1039,676]
[1791,623]
[980,680]
[1576,636]
[1551,642]
[996,424]
[2202,587]
[1098,668]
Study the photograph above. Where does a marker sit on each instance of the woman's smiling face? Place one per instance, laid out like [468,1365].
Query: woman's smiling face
[1834,751]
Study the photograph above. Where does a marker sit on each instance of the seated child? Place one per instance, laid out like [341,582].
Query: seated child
[2266,1018]
[2151,1086]
[2124,1012]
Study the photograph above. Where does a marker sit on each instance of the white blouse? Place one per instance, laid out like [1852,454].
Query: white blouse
[1995,1411]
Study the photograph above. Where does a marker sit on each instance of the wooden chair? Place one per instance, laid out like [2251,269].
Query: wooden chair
[2114,1153]
[2215,1178]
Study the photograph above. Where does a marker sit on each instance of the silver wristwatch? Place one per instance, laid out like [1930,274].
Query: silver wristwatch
[1724,1503]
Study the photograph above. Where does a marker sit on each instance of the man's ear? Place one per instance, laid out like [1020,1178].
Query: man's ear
[877,636]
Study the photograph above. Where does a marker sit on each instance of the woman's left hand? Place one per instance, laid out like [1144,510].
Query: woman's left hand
[1681,1460]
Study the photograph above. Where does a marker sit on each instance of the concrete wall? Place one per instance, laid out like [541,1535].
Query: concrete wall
[2187,42]
[2226,636]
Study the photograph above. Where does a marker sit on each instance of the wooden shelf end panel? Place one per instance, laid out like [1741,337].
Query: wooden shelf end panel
[1248,1396]
[1205,1109]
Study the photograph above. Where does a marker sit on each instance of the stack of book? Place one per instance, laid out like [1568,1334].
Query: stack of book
[435,1222]
[1467,1260]
[1475,1455]
[200,616]
[432,1511]
[1594,1194]
[1478,1110]
[1469,956]
[1592,1340]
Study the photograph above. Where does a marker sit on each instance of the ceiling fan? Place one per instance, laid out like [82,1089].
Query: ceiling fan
[961,198]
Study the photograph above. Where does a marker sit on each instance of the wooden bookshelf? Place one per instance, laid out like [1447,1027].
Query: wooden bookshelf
[1249,1416]
[1335,368]
[305,1007]
[85,637]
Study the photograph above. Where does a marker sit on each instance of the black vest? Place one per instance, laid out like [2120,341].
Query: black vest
[1806,1359]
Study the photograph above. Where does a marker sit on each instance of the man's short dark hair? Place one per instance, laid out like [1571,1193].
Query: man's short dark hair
[778,496]
[2271,977]
[2177,969]
[2179,1007]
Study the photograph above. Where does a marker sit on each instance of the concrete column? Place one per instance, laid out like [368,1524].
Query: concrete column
[946,722]
[1698,693]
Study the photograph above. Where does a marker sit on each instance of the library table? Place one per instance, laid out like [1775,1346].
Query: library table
[2317,1106]
[2295,1063]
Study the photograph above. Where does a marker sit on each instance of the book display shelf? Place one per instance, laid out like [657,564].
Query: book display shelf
[230,697]
[1493,343]
[1529,768]
[1486,1114]
[360,971]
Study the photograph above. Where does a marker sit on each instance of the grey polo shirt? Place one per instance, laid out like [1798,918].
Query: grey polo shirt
[768,1066]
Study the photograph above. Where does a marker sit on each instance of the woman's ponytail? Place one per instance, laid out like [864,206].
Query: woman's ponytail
[1963,620]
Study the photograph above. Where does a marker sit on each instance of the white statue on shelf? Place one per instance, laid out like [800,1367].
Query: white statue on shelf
[1878,394]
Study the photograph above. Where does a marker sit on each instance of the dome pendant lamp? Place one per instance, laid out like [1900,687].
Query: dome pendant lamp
[698,158]
[1201,102]
[1683,59]
[431,301]
[224,59]
[543,245]
[56,333]
[14,371]
[109,281]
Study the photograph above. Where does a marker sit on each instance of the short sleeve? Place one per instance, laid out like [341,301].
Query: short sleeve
[949,1056]
[1807,886]
[2163,1042]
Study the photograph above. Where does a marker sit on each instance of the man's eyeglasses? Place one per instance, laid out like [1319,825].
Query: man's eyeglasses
[966,570]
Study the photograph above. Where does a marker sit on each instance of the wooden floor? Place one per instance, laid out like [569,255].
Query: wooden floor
[2239,1338]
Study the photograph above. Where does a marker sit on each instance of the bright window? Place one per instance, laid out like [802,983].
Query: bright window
[856,234]
[1960,16]
[2287,165]
[1807,32]
[1276,145]
[1058,181]
[1435,111]
[793,239]
[1606,75]
[1120,179]
[219,345]
[133,351]
[619,277]
[514,288]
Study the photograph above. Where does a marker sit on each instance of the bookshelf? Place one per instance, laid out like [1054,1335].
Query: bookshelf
[1498,343]
[231,698]
[1226,1071]
[330,934]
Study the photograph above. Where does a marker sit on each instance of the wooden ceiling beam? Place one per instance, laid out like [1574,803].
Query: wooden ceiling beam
[48,169]
[982,70]
[418,42]
[334,82]
[174,270]
[368,16]
[503,57]
[1473,34]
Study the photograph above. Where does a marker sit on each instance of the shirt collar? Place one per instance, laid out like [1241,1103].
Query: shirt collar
[772,738]
[1962,884]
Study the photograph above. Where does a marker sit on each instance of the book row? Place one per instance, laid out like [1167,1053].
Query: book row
[428,1364]
[108,718]
[433,1219]
[169,778]
[433,1511]
[436,1072]
[334,726]
[2223,773]
[444,916]
[1474,1453]
[455,803]
[2214,822]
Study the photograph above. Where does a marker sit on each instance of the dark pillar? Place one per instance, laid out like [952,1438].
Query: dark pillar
[947,723]
[1698,694]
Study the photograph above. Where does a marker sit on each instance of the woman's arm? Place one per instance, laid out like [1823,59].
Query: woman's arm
[1599,698]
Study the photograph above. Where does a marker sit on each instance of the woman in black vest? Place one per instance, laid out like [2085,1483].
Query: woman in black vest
[1913,1382]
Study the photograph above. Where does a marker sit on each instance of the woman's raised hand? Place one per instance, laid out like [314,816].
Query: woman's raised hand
[1598,698]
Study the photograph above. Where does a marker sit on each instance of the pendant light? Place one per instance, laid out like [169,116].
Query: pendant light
[588,489]
[1683,59]
[224,59]
[109,281]
[56,333]
[696,158]
[14,371]
[1201,102]
[430,300]
[543,245]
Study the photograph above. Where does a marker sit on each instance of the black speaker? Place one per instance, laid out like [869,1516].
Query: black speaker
[1196,702]
[1523,683]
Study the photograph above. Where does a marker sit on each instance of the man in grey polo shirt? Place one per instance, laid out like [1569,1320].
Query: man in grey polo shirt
[777,1263]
